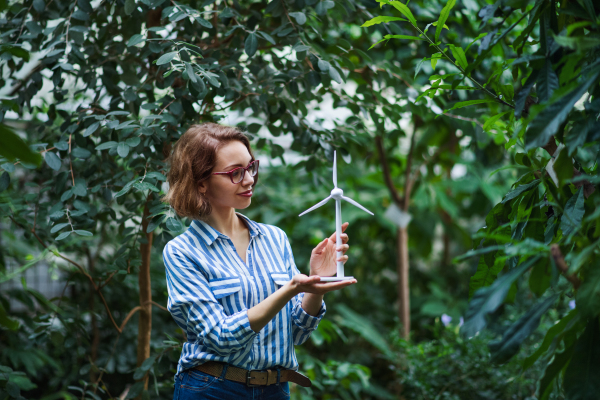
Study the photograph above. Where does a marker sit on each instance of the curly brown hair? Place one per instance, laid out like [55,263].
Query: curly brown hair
[191,162]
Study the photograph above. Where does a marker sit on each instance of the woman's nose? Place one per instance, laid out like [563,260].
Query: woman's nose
[248,179]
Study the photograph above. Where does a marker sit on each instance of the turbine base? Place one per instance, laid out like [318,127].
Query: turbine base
[335,278]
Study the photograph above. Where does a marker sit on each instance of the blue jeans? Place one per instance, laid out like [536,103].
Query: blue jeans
[195,385]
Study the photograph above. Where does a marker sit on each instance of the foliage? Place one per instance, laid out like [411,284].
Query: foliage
[548,224]
[112,84]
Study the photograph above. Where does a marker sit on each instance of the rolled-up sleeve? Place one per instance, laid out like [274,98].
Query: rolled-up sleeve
[196,310]
[302,323]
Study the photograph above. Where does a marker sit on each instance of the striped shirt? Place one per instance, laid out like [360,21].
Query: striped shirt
[211,289]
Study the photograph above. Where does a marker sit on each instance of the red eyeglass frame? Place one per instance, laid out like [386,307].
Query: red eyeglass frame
[230,173]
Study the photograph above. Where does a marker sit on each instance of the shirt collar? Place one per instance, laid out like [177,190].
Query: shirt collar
[210,234]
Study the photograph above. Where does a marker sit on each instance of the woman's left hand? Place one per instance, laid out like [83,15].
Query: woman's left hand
[323,259]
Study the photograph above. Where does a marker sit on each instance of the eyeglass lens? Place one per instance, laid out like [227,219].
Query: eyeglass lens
[238,174]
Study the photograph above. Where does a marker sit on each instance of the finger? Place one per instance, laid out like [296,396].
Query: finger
[320,247]
[344,237]
[343,259]
[331,286]
[344,226]
[344,248]
[308,280]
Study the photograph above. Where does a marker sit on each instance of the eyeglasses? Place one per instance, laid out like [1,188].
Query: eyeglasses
[237,174]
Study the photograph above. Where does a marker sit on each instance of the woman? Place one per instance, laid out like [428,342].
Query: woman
[233,286]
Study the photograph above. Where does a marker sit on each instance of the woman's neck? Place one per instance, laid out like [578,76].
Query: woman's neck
[226,221]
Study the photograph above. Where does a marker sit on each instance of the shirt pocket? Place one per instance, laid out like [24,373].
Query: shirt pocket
[228,291]
[279,279]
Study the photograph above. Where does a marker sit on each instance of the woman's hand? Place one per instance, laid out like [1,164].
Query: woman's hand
[323,259]
[311,284]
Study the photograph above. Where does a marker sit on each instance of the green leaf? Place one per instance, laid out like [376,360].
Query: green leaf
[63,235]
[135,39]
[83,233]
[402,8]
[80,152]
[467,103]
[335,75]
[190,72]
[510,343]
[363,327]
[487,299]
[553,369]
[166,58]
[563,167]
[58,227]
[547,82]
[203,22]
[547,122]
[442,20]
[459,56]
[145,367]
[251,44]
[573,214]
[129,6]
[588,295]
[553,334]
[106,145]
[492,120]
[173,225]
[582,376]
[123,149]
[52,160]
[382,19]
[323,65]
[267,37]
[6,321]
[4,181]
[521,97]
[520,190]
[13,147]
[485,275]
[91,129]
[402,37]
[323,6]
[419,65]
[539,279]
[434,59]
[133,141]
[145,186]
[300,17]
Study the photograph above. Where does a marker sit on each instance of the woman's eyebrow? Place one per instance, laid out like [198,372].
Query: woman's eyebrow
[237,165]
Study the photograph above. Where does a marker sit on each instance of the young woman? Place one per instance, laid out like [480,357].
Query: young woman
[233,286]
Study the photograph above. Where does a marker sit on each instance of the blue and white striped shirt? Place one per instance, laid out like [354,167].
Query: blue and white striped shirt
[211,289]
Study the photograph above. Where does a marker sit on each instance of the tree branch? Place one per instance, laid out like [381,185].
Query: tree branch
[386,172]
[563,267]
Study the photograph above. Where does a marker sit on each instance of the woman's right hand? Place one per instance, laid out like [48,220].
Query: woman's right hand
[312,284]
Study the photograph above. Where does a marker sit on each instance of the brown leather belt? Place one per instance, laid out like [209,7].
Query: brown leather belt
[253,377]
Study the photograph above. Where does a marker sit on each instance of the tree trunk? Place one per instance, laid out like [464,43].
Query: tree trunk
[403,288]
[145,318]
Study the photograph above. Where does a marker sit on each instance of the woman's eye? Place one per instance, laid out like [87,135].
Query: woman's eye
[236,173]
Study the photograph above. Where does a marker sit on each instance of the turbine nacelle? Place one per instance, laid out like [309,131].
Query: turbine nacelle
[337,193]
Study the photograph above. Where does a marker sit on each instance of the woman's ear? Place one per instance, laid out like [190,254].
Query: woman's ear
[202,188]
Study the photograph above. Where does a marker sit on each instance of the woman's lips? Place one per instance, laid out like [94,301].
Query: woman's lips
[246,194]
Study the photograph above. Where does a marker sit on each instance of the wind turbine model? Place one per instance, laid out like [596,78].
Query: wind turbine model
[337,194]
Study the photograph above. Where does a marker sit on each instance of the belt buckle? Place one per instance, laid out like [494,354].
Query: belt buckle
[248,378]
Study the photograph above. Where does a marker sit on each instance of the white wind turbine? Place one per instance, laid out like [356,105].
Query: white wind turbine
[337,194]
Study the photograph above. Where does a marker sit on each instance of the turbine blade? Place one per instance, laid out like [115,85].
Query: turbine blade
[322,202]
[349,200]
[334,170]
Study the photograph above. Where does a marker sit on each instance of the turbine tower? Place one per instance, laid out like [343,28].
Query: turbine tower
[338,195]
